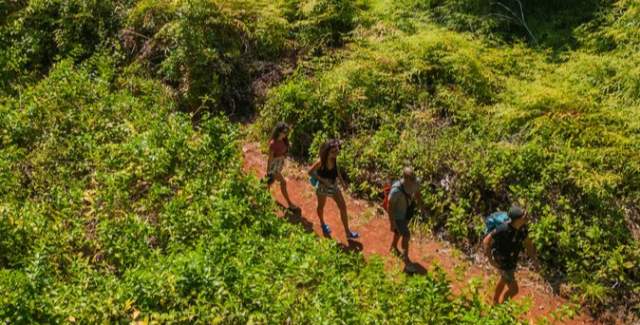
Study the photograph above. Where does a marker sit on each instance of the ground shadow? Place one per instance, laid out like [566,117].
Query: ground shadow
[413,268]
[351,246]
[294,216]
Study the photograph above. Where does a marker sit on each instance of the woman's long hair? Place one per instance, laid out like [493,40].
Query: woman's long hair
[279,128]
[325,148]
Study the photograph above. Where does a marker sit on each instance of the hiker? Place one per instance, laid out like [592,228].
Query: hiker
[324,176]
[502,246]
[278,148]
[403,197]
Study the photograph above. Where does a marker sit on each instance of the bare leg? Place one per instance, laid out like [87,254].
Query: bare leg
[320,209]
[343,212]
[283,188]
[394,243]
[499,288]
[512,292]
[405,248]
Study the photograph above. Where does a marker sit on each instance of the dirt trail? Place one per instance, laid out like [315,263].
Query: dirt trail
[375,239]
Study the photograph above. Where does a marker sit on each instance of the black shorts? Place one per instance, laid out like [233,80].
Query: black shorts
[508,275]
[401,227]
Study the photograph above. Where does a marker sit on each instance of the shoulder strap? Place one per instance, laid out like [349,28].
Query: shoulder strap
[406,195]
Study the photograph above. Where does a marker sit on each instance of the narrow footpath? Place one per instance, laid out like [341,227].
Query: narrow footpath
[375,239]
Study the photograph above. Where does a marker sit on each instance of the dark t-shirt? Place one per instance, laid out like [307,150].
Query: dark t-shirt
[507,245]
[325,172]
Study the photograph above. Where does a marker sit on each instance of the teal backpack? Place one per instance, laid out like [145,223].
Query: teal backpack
[314,181]
[494,220]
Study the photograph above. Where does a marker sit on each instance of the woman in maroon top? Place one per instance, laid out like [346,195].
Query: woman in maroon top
[278,148]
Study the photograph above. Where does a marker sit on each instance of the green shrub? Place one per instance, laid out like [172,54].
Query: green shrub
[485,125]
[117,208]
[35,34]
[318,23]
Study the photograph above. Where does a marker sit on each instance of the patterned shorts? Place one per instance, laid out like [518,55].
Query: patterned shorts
[325,190]
[277,164]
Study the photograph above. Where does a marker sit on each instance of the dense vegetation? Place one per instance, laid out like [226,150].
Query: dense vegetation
[120,184]
[121,191]
[490,117]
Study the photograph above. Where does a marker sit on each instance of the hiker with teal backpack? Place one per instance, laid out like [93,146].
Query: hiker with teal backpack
[401,200]
[278,149]
[324,175]
[506,234]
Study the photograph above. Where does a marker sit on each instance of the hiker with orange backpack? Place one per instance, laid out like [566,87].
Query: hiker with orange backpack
[401,199]
[324,175]
[278,149]
[505,235]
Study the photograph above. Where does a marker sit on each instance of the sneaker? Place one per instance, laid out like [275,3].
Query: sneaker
[325,229]
[352,235]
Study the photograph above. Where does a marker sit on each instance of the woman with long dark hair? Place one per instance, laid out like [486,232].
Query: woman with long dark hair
[278,149]
[325,174]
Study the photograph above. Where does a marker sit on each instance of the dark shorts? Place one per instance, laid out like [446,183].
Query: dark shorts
[402,227]
[508,275]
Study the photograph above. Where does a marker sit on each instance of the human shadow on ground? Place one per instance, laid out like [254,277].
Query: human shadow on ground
[351,246]
[295,217]
[413,268]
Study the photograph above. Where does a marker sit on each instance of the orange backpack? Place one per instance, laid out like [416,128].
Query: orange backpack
[386,190]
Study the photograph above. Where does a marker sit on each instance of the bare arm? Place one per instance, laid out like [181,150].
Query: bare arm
[486,243]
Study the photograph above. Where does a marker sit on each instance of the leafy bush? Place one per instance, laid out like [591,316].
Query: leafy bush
[35,34]
[323,22]
[484,126]
[116,208]
[548,23]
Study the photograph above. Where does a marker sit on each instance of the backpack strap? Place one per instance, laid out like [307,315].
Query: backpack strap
[406,195]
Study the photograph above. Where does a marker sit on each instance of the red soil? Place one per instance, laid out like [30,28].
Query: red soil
[425,251]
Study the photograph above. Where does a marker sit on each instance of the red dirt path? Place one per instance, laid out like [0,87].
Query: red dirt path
[425,251]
